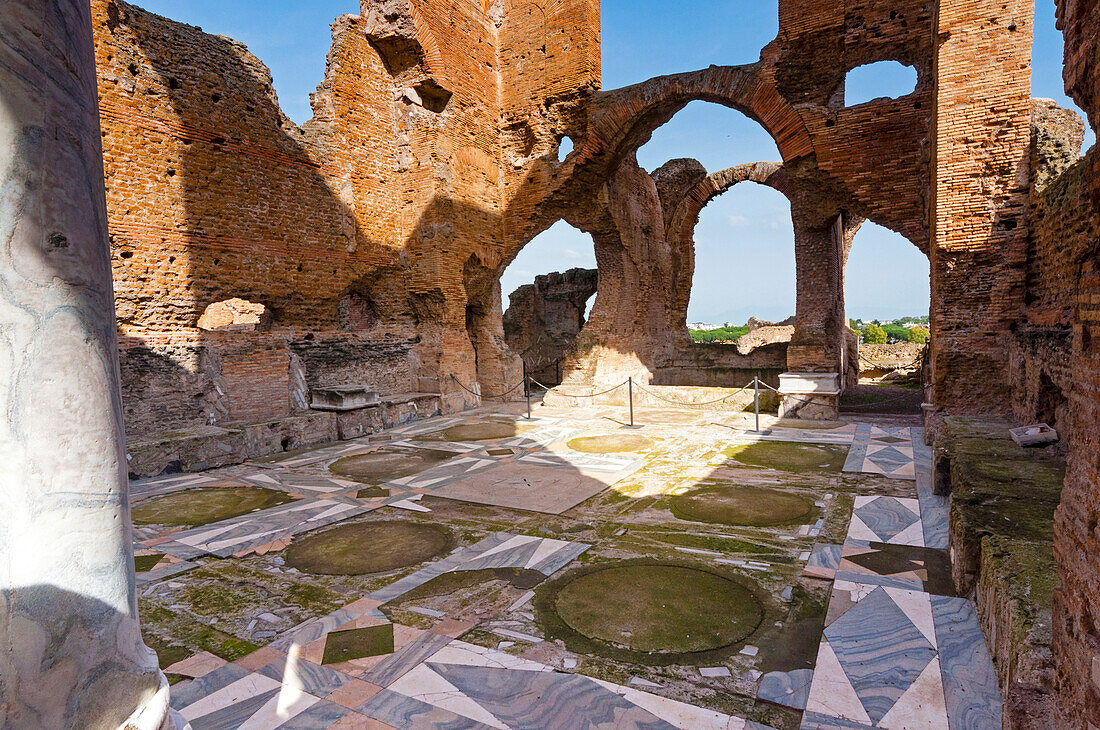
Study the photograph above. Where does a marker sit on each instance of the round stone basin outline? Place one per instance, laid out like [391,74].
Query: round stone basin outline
[734,504]
[385,465]
[613,443]
[363,548]
[651,612]
[489,430]
[205,505]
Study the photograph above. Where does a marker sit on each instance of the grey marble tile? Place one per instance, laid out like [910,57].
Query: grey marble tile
[193,691]
[562,558]
[318,717]
[790,689]
[312,630]
[405,712]
[548,700]
[886,517]
[315,679]
[815,721]
[393,667]
[969,679]
[880,650]
[934,509]
[233,716]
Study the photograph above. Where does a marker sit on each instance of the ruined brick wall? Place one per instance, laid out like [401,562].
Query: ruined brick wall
[356,231]
[544,318]
[1040,347]
[1077,537]
[980,155]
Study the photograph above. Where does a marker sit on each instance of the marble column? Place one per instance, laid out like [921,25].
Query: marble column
[72,654]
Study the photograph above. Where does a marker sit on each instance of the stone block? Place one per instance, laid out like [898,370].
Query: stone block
[343,398]
[1038,435]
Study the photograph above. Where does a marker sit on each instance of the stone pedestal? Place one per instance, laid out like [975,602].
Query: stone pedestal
[71,652]
[809,396]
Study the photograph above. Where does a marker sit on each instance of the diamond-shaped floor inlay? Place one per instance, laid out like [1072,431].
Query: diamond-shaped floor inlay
[887,517]
[880,650]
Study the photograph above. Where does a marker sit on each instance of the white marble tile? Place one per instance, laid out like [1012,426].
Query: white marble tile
[831,693]
[923,706]
[423,684]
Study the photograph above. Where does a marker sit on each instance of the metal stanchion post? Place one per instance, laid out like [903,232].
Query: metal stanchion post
[527,389]
[756,386]
[630,392]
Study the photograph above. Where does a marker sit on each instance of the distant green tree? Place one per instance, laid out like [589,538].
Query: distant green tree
[874,335]
[722,334]
[919,335]
[896,333]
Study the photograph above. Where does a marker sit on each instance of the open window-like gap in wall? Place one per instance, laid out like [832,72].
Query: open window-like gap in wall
[549,290]
[882,79]
[744,263]
[715,135]
[887,297]
[236,315]
[565,148]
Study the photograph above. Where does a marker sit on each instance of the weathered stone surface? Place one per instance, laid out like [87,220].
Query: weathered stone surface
[544,318]
[72,653]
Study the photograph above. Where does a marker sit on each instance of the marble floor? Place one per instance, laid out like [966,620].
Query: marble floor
[861,628]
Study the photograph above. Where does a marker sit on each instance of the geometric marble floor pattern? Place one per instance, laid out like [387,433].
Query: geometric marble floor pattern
[884,450]
[897,652]
[419,679]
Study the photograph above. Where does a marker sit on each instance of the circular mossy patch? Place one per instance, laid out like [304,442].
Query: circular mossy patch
[368,547]
[203,506]
[381,466]
[788,456]
[652,613]
[478,431]
[738,505]
[611,443]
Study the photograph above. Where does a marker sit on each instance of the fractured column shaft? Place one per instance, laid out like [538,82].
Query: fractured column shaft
[72,654]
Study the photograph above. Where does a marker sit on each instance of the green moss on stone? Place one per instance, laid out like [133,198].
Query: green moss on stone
[368,547]
[731,504]
[194,507]
[792,457]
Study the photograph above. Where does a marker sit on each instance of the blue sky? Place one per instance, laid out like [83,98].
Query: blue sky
[744,243]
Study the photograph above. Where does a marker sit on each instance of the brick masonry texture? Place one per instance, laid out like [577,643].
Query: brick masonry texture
[368,243]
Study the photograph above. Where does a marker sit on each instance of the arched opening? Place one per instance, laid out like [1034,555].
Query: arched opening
[737,251]
[883,79]
[549,290]
[715,135]
[887,299]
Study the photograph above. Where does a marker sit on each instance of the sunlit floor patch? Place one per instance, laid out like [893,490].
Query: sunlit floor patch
[650,612]
[611,443]
[196,507]
[368,547]
[488,430]
[731,504]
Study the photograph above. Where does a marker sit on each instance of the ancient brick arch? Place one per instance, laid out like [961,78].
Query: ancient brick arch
[622,120]
[685,217]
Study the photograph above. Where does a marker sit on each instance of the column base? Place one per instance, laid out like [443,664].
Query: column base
[809,396]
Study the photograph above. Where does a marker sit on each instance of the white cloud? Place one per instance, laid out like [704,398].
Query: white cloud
[738,221]
[571,254]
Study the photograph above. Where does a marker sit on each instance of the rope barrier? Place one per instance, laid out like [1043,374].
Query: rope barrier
[570,395]
[514,388]
[695,405]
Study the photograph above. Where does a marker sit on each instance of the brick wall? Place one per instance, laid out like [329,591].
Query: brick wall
[1077,537]
[979,196]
